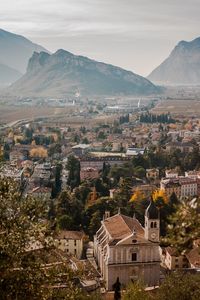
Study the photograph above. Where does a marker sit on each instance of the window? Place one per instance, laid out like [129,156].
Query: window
[176,266]
[134,241]
[151,224]
[74,242]
[155,224]
[134,256]
[74,251]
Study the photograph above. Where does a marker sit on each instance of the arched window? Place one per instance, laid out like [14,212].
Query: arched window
[152,225]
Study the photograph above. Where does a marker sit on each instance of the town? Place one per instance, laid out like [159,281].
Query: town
[117,183]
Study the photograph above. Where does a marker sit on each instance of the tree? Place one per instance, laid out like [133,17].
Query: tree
[184,225]
[73,165]
[25,245]
[180,286]
[65,222]
[136,291]
[67,205]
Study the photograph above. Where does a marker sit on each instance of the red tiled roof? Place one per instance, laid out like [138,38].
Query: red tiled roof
[120,226]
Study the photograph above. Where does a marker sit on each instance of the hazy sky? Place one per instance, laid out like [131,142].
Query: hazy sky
[134,34]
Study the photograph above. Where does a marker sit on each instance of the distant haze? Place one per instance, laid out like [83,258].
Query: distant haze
[134,34]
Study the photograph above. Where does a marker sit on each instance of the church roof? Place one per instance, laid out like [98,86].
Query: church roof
[152,211]
[120,226]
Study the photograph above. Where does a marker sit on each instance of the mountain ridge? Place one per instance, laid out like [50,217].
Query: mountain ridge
[181,67]
[15,50]
[64,73]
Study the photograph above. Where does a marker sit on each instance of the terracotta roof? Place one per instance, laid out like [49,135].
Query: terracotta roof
[172,251]
[120,226]
[70,235]
[194,257]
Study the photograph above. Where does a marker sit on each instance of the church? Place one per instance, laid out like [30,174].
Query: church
[124,248]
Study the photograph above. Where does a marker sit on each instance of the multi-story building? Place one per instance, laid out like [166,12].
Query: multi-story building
[181,186]
[70,242]
[189,187]
[125,249]
[172,260]
[170,186]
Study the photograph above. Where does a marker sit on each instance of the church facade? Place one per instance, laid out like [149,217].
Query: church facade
[125,249]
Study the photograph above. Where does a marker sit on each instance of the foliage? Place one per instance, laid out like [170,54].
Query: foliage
[184,225]
[180,286]
[159,196]
[39,152]
[73,165]
[25,246]
[137,196]
[176,286]
[152,118]
[136,291]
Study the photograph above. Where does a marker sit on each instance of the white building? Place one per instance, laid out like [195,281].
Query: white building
[124,249]
[70,242]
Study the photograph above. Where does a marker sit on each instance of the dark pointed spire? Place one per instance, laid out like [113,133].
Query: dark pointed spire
[152,211]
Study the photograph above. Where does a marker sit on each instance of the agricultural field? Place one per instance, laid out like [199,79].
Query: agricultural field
[179,107]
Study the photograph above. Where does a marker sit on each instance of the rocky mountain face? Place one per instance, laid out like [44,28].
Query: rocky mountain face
[63,73]
[181,67]
[15,51]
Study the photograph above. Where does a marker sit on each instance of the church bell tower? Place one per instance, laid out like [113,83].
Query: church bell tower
[152,223]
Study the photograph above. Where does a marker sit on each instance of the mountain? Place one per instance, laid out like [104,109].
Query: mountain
[181,67]
[64,73]
[15,51]
[8,75]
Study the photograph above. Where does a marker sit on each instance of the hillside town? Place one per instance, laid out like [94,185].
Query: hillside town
[113,189]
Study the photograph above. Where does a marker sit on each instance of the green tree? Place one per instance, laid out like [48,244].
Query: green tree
[73,165]
[136,291]
[178,286]
[25,245]
[184,225]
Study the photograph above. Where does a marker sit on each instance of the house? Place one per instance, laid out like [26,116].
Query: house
[152,174]
[189,187]
[80,150]
[171,173]
[70,242]
[170,186]
[172,260]
[124,249]
[89,173]
[185,147]
[135,151]
[193,257]
[40,192]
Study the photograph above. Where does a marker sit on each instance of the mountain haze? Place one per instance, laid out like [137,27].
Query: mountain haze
[64,73]
[15,51]
[181,67]
[8,75]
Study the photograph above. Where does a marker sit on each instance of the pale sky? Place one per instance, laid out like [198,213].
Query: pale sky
[134,34]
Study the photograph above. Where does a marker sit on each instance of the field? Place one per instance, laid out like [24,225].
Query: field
[179,107]
[11,113]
